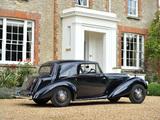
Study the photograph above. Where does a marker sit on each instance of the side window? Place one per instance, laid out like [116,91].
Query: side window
[67,70]
[89,69]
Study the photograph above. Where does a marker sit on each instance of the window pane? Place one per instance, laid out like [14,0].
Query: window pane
[14,29]
[20,29]
[9,36]
[29,27]
[15,37]
[28,46]
[20,47]
[20,37]
[28,55]
[8,55]
[13,56]
[20,56]
[29,36]
[1,33]
[81,2]
[9,27]
[8,47]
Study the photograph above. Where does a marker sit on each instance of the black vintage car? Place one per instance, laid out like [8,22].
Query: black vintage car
[63,81]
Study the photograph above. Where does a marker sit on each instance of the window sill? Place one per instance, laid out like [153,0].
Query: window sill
[133,17]
[81,6]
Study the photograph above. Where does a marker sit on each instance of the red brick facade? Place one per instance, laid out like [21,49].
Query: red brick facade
[30,16]
[55,30]
[125,29]
[157,5]
[107,5]
[91,3]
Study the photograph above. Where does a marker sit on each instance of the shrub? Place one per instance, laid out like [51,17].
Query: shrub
[154,89]
[13,77]
[5,93]
[24,71]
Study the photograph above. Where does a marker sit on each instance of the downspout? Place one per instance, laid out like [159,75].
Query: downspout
[109,6]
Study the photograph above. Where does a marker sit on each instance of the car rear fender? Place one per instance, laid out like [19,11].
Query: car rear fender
[124,88]
[47,91]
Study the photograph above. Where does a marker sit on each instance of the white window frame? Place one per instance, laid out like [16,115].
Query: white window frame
[82,1]
[24,22]
[130,9]
[137,52]
[159,5]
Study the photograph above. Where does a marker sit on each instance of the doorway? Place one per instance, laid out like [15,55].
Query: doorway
[93,47]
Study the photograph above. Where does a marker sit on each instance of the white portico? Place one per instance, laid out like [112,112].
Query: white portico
[90,35]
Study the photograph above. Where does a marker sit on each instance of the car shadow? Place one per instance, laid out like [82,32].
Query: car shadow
[75,103]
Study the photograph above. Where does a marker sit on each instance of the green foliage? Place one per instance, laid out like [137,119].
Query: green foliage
[152,45]
[155,77]
[13,76]
[24,71]
[154,89]
[8,78]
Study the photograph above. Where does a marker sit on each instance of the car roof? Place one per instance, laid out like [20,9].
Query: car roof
[67,61]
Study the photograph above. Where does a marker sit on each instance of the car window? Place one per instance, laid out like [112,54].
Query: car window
[67,70]
[45,70]
[89,69]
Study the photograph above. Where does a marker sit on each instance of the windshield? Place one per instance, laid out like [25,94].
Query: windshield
[45,70]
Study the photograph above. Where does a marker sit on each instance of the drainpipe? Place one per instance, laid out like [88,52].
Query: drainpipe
[109,5]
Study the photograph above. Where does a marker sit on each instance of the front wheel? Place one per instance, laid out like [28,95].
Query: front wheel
[138,94]
[61,97]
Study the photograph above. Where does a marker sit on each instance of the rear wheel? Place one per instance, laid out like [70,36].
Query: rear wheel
[138,94]
[40,102]
[114,100]
[61,97]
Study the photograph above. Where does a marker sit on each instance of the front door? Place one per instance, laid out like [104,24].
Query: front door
[93,47]
[90,82]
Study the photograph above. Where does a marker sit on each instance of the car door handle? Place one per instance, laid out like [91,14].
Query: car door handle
[104,78]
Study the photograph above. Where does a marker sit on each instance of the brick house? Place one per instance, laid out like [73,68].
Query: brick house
[108,31]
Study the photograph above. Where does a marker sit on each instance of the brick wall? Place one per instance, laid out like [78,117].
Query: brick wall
[30,16]
[42,13]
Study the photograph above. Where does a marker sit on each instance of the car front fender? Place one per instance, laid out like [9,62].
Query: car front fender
[47,91]
[124,88]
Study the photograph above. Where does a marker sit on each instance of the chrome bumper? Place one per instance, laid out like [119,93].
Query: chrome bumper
[21,96]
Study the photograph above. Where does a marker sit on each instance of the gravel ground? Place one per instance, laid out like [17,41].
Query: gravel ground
[24,109]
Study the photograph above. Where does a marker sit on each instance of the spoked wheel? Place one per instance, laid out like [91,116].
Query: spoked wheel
[61,97]
[40,102]
[137,94]
[114,100]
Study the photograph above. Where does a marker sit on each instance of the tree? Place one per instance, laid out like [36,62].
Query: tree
[152,45]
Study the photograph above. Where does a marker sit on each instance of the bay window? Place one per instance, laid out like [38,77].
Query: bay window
[132,47]
[16,40]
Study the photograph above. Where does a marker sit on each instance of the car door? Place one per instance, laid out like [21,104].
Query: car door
[90,82]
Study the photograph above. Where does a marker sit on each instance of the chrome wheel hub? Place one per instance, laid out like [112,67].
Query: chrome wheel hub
[62,95]
[138,93]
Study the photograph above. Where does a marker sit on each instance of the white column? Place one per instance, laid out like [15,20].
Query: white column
[78,41]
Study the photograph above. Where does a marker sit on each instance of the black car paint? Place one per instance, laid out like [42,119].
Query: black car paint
[83,87]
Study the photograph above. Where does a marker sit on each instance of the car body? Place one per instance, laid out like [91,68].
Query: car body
[66,80]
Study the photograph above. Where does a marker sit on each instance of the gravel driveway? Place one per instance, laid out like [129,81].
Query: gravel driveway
[24,109]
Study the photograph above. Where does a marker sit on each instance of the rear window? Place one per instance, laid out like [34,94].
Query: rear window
[45,69]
